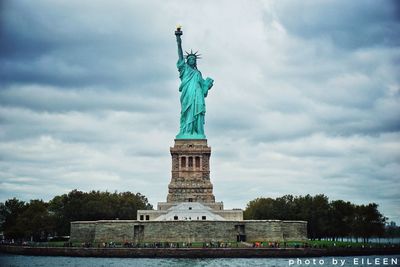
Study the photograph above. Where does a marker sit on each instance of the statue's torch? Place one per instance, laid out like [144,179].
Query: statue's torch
[178,31]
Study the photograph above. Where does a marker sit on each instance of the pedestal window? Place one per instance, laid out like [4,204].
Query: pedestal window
[190,162]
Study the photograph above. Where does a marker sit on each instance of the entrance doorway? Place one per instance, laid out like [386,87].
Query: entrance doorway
[241,238]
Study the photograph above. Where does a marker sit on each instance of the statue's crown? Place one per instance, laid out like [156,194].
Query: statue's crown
[191,54]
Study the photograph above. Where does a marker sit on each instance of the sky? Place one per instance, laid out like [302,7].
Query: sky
[306,98]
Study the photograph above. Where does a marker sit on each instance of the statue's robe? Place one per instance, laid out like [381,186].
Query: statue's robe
[193,90]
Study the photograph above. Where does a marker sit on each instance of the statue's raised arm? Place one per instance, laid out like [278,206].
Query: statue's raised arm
[194,89]
[178,34]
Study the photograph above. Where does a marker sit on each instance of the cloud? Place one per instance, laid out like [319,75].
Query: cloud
[75,44]
[306,97]
[348,25]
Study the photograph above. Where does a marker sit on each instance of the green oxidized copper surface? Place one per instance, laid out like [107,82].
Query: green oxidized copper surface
[194,90]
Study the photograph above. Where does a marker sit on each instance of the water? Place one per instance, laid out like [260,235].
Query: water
[9,260]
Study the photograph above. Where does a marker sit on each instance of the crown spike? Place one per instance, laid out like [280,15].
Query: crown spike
[196,55]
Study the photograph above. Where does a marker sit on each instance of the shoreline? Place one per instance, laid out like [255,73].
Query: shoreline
[195,252]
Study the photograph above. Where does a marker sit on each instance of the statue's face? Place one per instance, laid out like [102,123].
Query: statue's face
[191,61]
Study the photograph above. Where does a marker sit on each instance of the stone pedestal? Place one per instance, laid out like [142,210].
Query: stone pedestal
[190,181]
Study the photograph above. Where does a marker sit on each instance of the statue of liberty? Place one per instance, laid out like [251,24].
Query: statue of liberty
[193,90]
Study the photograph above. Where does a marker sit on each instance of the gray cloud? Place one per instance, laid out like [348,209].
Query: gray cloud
[67,44]
[348,25]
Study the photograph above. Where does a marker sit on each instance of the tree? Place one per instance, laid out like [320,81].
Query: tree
[9,212]
[95,205]
[259,209]
[368,222]
[341,218]
[35,221]
[325,219]
[314,210]
[284,208]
